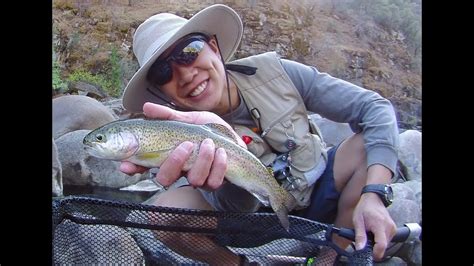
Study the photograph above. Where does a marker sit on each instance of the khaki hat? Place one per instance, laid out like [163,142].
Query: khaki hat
[159,32]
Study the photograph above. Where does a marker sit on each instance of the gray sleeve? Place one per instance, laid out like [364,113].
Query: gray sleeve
[341,101]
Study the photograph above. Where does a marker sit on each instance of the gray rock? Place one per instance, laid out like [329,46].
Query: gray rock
[415,186]
[57,173]
[395,261]
[333,132]
[73,112]
[402,191]
[405,211]
[85,244]
[410,154]
[79,168]
[87,89]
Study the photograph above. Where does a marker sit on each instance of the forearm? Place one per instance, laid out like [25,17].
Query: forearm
[378,174]
[340,101]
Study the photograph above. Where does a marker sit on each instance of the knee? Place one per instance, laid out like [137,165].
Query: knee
[357,142]
[355,148]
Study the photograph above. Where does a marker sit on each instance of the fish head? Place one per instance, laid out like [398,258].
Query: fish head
[111,142]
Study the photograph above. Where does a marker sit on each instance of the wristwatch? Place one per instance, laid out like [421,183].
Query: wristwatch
[384,191]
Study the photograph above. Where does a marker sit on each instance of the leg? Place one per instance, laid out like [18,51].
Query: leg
[337,191]
[190,245]
[350,174]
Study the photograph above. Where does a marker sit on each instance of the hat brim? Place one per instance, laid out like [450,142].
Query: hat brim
[218,20]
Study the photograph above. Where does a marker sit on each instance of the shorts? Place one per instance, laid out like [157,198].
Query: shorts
[325,197]
[323,202]
[230,197]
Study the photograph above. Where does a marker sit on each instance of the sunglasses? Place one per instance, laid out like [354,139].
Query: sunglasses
[184,54]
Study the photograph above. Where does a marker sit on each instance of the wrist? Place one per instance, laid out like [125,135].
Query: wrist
[378,174]
[382,191]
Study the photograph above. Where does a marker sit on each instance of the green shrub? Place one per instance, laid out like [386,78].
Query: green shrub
[58,83]
[115,73]
[85,76]
[110,79]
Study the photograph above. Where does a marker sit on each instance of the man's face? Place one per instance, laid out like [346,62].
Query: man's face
[200,84]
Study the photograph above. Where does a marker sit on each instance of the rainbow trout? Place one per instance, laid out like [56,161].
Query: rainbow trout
[149,142]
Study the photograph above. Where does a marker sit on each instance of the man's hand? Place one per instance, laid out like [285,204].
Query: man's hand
[210,166]
[370,215]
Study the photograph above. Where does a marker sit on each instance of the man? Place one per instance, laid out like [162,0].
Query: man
[184,65]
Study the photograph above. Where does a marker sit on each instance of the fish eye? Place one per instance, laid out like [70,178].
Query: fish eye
[100,137]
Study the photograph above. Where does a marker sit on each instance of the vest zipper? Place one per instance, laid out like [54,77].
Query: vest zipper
[278,120]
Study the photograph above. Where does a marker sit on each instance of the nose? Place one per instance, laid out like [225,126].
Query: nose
[184,74]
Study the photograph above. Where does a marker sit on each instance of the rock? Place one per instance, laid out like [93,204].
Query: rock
[333,132]
[73,112]
[404,211]
[410,154]
[57,173]
[87,89]
[75,243]
[79,168]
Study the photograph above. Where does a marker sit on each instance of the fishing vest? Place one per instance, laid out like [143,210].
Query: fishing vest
[286,132]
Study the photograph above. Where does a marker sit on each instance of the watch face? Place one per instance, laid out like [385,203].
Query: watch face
[389,193]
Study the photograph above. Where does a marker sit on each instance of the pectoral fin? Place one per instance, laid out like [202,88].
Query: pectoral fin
[148,156]
[150,159]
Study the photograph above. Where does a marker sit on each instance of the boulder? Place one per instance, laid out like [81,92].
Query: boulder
[73,112]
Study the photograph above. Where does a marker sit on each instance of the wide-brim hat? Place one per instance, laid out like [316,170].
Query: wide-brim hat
[159,32]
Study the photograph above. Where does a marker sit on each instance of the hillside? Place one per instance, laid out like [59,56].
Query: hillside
[92,39]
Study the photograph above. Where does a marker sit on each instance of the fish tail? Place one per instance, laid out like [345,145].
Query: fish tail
[282,208]
[282,215]
[290,202]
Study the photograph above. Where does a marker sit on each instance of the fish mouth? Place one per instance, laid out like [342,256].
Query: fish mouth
[199,89]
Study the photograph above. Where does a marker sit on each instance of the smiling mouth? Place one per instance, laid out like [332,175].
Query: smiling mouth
[199,89]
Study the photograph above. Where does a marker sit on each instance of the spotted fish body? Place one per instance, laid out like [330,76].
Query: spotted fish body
[149,142]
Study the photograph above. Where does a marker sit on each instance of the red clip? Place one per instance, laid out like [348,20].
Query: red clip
[247,139]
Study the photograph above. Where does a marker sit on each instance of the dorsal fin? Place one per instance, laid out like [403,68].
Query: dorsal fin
[222,130]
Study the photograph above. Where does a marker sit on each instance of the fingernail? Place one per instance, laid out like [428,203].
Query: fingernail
[359,246]
[221,152]
[188,146]
[208,142]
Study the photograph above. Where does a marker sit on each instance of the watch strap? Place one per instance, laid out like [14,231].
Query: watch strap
[382,190]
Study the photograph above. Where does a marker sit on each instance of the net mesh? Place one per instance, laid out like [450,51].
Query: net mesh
[96,231]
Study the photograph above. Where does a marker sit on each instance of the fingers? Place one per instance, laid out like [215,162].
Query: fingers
[156,111]
[219,167]
[209,169]
[382,237]
[171,168]
[199,172]
[131,169]
[383,230]
[210,166]
[360,234]
[380,245]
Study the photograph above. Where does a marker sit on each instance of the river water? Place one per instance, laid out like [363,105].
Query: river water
[107,193]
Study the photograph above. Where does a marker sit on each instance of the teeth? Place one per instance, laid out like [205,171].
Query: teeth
[199,89]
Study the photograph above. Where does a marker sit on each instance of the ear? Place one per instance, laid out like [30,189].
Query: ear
[214,47]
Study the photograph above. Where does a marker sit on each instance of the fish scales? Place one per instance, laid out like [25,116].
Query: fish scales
[149,142]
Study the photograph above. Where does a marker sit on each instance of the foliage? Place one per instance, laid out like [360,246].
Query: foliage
[85,76]
[115,72]
[111,78]
[396,15]
[58,83]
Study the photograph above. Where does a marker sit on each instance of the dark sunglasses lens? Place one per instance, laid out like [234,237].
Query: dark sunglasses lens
[160,73]
[189,53]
